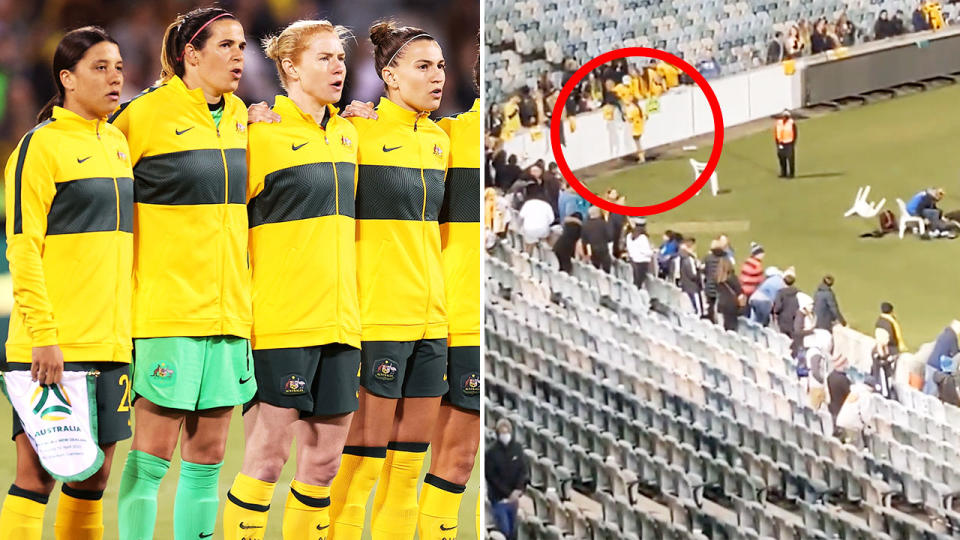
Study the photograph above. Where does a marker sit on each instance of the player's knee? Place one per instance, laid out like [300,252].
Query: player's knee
[97,482]
[43,484]
[320,469]
[268,467]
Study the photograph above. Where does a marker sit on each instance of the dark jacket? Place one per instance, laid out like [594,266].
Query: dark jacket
[710,263]
[727,293]
[615,223]
[825,308]
[820,42]
[506,470]
[785,308]
[945,345]
[774,51]
[688,278]
[897,24]
[919,21]
[596,235]
[838,384]
[884,29]
[946,388]
[567,243]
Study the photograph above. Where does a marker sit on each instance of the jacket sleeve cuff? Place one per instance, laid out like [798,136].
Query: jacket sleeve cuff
[45,338]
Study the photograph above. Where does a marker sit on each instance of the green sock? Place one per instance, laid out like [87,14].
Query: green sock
[137,509]
[195,508]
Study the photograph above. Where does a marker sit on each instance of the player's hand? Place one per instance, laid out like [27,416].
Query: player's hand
[47,366]
[260,112]
[360,109]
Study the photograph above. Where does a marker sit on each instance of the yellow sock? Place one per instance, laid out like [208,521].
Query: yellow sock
[359,468]
[307,513]
[439,508]
[383,483]
[79,515]
[397,515]
[247,507]
[22,515]
[481,526]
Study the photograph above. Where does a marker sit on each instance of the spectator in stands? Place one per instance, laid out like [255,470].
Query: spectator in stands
[825,305]
[946,383]
[527,108]
[729,294]
[761,301]
[552,186]
[794,44]
[506,474]
[511,118]
[944,349]
[805,31]
[535,189]
[616,224]
[687,273]
[815,357]
[596,239]
[890,345]
[751,273]
[846,34]
[709,67]
[804,322]
[639,251]
[883,28]
[669,249]
[507,173]
[494,121]
[785,303]
[838,387]
[856,412]
[898,28]
[711,261]
[920,18]
[727,248]
[568,245]
[536,216]
[821,41]
[570,201]
[775,49]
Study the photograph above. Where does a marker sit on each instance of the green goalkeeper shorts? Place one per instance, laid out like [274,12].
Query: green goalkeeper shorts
[194,373]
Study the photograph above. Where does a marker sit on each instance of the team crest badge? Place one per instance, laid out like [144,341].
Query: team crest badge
[385,370]
[121,156]
[437,151]
[471,384]
[51,402]
[346,142]
[241,128]
[162,375]
[294,385]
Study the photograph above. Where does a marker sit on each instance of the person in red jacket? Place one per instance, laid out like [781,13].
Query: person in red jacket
[751,273]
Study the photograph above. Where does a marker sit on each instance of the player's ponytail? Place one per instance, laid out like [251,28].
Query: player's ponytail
[389,40]
[69,51]
[192,28]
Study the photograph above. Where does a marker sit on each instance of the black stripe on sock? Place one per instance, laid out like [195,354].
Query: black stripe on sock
[85,494]
[312,502]
[27,494]
[408,446]
[445,485]
[247,506]
[366,451]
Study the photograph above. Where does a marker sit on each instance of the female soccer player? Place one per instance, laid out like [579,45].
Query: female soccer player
[69,197]
[191,298]
[457,434]
[402,162]
[306,315]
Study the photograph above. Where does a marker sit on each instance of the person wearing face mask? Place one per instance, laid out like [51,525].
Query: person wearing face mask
[69,199]
[305,339]
[191,295]
[402,163]
[506,475]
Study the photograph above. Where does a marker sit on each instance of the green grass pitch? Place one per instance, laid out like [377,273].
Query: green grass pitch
[898,147]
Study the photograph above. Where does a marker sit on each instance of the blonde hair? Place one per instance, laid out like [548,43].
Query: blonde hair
[294,40]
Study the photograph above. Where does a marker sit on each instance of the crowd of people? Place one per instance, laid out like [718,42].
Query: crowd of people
[806,37]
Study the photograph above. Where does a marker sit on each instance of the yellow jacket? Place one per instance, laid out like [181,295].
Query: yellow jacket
[69,199]
[190,275]
[403,161]
[636,116]
[302,230]
[460,231]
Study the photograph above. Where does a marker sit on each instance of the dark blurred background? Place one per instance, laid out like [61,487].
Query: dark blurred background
[29,32]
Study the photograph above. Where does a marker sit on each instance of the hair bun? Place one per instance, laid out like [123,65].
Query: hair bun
[381,32]
[271,47]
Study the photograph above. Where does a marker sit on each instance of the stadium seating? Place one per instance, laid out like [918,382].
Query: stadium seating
[624,396]
[529,37]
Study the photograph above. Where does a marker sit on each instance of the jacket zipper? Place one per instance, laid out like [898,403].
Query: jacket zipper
[423,229]
[336,229]
[116,198]
[226,200]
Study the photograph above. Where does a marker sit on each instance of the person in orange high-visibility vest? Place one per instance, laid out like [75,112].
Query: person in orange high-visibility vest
[785,135]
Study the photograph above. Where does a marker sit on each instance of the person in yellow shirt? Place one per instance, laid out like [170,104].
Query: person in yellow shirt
[655,82]
[191,296]
[457,434]
[306,314]
[69,203]
[934,14]
[670,74]
[511,118]
[624,90]
[637,116]
[402,162]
